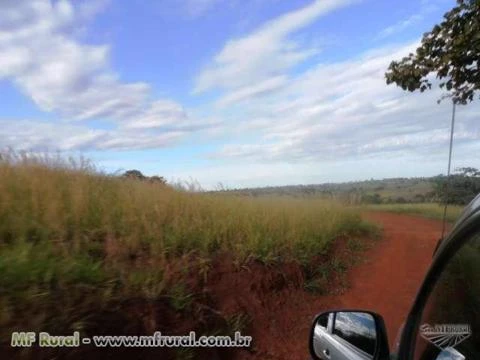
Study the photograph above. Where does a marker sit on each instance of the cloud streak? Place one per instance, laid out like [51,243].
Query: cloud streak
[345,110]
[262,56]
[400,26]
[47,136]
[426,7]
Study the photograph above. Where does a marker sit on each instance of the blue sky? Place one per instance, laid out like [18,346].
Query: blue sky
[243,93]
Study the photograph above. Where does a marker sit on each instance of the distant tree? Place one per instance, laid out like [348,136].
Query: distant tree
[372,198]
[460,188]
[400,200]
[468,171]
[451,50]
[134,174]
[137,175]
[157,180]
[430,196]
[419,198]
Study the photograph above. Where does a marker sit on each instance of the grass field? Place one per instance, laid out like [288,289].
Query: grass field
[72,236]
[429,210]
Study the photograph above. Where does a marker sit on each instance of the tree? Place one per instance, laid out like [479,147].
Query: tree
[460,188]
[134,174]
[157,179]
[451,50]
[468,171]
[137,175]
[372,198]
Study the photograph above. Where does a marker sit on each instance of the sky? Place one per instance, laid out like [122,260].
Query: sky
[242,93]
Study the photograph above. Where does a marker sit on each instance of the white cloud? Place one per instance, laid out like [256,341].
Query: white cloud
[344,111]
[165,115]
[426,7]
[335,111]
[334,114]
[256,90]
[34,135]
[264,54]
[400,26]
[41,55]
[42,136]
[161,113]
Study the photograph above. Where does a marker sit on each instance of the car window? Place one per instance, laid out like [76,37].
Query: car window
[358,329]
[451,318]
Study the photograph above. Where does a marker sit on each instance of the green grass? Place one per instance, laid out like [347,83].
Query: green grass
[75,243]
[429,210]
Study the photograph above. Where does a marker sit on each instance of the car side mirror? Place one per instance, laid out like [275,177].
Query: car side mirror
[348,334]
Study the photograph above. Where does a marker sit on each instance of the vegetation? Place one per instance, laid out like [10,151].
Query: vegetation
[137,175]
[451,50]
[354,192]
[76,244]
[432,210]
[460,188]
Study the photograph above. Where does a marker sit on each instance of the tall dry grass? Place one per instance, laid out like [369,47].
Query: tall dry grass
[70,235]
[71,206]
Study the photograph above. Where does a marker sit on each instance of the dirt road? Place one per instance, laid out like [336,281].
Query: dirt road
[393,270]
[385,281]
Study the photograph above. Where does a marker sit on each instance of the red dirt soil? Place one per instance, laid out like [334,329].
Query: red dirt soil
[385,281]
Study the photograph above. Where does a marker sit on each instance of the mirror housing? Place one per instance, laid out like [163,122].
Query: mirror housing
[450,354]
[348,334]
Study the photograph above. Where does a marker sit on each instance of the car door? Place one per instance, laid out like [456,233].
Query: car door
[323,329]
[451,316]
[444,322]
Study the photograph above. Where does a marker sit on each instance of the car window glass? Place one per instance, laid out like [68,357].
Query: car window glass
[451,317]
[358,329]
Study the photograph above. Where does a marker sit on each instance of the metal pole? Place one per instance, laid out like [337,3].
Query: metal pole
[449,167]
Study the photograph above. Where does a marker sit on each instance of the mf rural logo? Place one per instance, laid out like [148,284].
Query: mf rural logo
[445,335]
